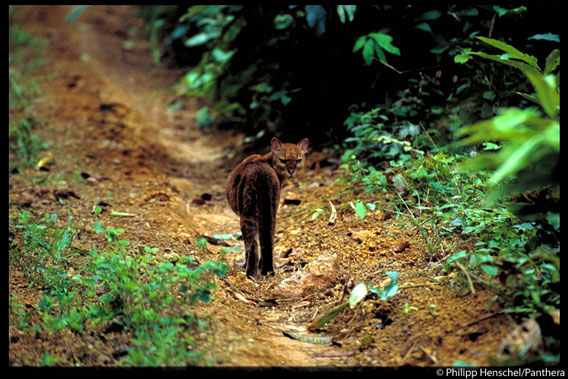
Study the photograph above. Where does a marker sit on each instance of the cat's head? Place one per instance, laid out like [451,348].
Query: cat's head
[287,158]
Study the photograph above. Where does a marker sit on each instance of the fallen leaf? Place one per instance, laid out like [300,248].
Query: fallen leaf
[160,196]
[47,159]
[333,215]
[122,214]
[328,316]
[400,247]
[357,294]
[320,340]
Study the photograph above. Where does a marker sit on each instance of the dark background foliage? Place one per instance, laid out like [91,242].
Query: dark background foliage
[301,76]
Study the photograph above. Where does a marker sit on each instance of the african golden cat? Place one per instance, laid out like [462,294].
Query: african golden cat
[253,192]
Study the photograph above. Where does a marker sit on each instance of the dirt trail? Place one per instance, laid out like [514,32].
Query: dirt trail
[105,111]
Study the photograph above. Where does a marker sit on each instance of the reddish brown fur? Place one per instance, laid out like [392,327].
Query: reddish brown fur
[253,192]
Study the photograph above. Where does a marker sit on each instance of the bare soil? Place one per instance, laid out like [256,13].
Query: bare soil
[104,110]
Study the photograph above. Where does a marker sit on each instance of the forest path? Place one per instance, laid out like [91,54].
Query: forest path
[105,112]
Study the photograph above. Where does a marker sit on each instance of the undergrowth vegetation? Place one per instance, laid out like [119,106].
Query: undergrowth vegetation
[465,143]
[459,132]
[102,287]
[87,291]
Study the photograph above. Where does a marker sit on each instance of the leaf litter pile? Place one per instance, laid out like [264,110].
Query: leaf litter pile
[354,285]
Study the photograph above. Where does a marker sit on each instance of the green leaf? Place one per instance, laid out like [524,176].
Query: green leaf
[528,97]
[282,21]
[357,294]
[74,13]
[200,39]
[390,290]
[380,53]
[424,26]
[359,43]
[98,227]
[514,53]
[222,236]
[456,256]
[501,127]
[431,15]
[350,10]
[463,56]
[552,61]
[385,42]
[517,159]
[368,51]
[360,209]
[553,219]
[341,13]
[230,249]
[490,270]
[546,37]
[316,17]
[328,316]
[502,11]
[504,60]
[545,87]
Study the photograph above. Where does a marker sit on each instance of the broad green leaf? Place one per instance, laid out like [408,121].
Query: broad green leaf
[392,288]
[431,15]
[553,219]
[463,56]
[360,209]
[359,43]
[514,53]
[552,61]
[350,10]
[341,13]
[503,59]
[368,51]
[282,21]
[490,270]
[546,37]
[456,256]
[357,294]
[201,38]
[385,42]
[424,26]
[545,87]
[502,127]
[380,53]
[502,11]
[517,159]
[316,17]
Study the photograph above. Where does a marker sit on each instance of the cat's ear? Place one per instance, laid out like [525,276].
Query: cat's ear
[275,145]
[303,145]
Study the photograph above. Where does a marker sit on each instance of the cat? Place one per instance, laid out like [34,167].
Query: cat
[253,192]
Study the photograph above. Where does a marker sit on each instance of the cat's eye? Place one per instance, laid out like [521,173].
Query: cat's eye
[282,160]
[299,161]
